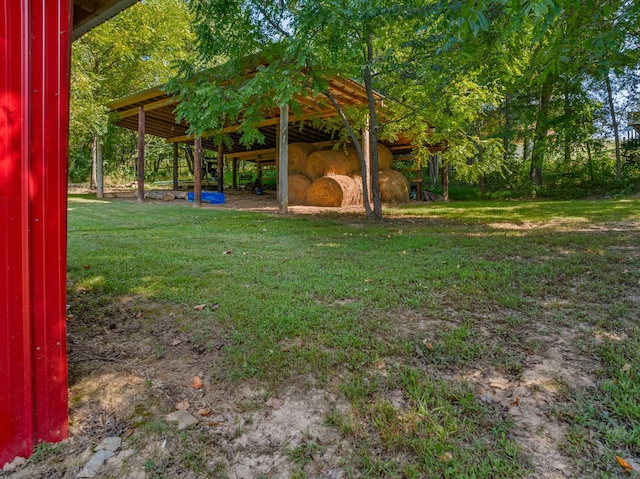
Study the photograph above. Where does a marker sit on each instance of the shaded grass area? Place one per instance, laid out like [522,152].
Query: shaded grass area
[320,295]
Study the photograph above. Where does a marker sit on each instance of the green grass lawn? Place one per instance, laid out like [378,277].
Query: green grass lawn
[330,297]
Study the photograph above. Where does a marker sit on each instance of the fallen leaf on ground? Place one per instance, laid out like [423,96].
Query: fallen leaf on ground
[515,402]
[367,280]
[275,403]
[204,412]
[626,368]
[197,383]
[446,457]
[379,364]
[139,314]
[427,344]
[200,307]
[184,404]
[624,464]
[499,383]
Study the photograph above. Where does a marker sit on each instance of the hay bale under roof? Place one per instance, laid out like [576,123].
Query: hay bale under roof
[298,186]
[343,162]
[298,153]
[385,158]
[334,191]
[331,162]
[394,187]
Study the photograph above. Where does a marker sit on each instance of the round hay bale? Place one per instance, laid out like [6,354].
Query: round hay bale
[385,158]
[298,186]
[394,187]
[336,162]
[358,180]
[298,153]
[334,191]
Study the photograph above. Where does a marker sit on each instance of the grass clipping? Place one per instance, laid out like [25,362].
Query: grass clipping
[298,153]
[394,187]
[335,191]
[298,186]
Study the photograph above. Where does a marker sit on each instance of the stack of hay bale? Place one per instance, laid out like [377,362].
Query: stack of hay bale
[333,177]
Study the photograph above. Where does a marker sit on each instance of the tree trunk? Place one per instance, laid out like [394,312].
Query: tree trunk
[445,182]
[508,137]
[614,124]
[356,143]
[568,113]
[590,162]
[525,149]
[542,130]
[93,184]
[176,182]
[373,132]
[189,157]
[434,168]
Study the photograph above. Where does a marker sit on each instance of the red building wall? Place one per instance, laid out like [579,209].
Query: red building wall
[34,112]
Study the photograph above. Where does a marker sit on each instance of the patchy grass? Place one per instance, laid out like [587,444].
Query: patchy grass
[408,306]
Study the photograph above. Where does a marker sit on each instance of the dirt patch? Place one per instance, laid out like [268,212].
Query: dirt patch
[133,365]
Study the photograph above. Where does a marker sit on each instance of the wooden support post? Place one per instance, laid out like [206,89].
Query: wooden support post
[141,125]
[220,168]
[197,172]
[234,174]
[419,183]
[277,163]
[283,160]
[366,150]
[176,183]
[99,169]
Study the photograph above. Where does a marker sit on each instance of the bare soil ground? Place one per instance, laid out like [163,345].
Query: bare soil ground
[126,376]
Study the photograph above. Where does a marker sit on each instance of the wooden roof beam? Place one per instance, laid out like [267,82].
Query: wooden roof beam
[147,107]
[129,101]
[268,122]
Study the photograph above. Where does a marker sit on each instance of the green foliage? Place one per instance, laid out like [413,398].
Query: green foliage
[476,77]
[133,51]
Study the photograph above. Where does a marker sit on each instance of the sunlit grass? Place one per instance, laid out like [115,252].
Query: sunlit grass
[324,296]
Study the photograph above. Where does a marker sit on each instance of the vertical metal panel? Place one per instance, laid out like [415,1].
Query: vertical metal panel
[16,426]
[51,27]
[34,99]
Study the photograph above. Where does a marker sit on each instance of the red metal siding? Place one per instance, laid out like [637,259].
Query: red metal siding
[34,98]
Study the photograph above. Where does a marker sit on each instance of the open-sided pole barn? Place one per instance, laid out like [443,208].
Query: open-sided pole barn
[152,112]
[35,41]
